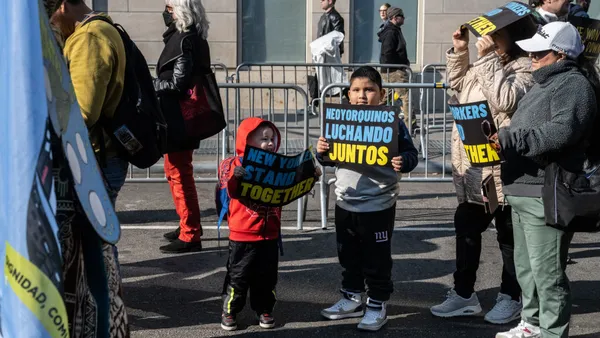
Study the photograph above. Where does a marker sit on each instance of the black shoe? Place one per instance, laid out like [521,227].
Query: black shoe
[266,321]
[228,322]
[172,235]
[179,246]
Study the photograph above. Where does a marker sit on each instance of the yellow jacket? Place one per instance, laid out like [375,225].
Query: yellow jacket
[96,58]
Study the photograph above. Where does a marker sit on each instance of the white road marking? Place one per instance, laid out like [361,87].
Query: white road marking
[210,299]
[143,278]
[206,274]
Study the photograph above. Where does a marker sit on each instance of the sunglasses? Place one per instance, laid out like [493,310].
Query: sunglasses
[540,55]
[169,9]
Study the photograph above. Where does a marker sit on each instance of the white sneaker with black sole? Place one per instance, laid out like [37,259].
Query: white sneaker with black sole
[350,306]
[455,306]
[505,311]
[375,316]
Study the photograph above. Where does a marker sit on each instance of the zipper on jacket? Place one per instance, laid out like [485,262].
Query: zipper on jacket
[555,199]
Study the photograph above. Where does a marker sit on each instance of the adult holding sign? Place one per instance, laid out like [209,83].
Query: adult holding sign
[366,206]
[488,91]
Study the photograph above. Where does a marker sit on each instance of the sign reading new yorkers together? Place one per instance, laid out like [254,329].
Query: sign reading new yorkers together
[498,18]
[274,179]
[475,126]
[361,135]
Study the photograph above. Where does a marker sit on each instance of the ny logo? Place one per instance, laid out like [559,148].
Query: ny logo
[381,236]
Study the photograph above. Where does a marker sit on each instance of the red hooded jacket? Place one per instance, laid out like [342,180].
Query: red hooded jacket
[249,221]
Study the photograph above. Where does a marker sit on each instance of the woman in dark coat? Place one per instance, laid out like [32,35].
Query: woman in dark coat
[185,58]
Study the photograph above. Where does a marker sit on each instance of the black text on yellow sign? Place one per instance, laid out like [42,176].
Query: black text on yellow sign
[359,154]
[482,25]
[37,292]
[275,196]
[481,153]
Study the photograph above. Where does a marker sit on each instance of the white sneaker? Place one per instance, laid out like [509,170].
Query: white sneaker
[375,316]
[505,311]
[455,306]
[523,330]
[350,306]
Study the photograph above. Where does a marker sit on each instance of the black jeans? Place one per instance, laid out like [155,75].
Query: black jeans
[470,221]
[251,266]
[364,250]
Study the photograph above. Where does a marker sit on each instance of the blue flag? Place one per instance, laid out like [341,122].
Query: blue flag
[39,112]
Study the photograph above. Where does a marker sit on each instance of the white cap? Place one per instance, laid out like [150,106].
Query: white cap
[558,36]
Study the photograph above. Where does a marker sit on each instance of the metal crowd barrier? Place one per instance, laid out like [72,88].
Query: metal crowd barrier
[429,104]
[424,176]
[222,141]
[297,73]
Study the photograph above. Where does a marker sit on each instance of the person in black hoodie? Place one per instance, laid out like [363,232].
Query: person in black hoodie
[330,21]
[186,57]
[393,51]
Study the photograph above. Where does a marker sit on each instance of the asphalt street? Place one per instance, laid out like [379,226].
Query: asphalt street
[179,295]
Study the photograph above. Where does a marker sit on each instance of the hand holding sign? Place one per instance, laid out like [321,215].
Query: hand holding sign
[239,172]
[397,163]
[485,45]
[322,145]
[460,40]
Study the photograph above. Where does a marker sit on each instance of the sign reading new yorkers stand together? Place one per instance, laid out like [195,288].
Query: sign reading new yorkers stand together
[361,135]
[274,179]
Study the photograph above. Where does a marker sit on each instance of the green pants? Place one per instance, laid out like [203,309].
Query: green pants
[540,262]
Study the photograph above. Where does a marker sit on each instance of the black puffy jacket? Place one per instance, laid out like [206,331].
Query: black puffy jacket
[186,56]
[329,22]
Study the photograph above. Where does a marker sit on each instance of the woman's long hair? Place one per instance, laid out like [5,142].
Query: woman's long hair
[188,13]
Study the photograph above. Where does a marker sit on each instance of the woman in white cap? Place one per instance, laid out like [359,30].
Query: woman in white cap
[552,125]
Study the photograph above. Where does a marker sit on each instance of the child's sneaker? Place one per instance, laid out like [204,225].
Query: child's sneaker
[266,321]
[523,330]
[350,306]
[375,316]
[455,305]
[228,322]
[505,311]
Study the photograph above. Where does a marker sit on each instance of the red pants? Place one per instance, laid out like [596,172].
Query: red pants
[180,174]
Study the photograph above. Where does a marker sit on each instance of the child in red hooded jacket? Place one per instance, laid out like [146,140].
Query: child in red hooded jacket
[253,234]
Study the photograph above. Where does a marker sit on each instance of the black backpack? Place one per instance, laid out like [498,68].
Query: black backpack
[138,128]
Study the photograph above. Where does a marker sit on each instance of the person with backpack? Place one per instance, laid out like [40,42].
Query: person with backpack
[95,48]
[186,56]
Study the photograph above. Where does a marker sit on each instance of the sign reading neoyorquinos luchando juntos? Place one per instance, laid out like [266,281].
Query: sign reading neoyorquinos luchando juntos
[361,135]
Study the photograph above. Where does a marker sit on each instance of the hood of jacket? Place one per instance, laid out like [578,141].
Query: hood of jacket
[248,126]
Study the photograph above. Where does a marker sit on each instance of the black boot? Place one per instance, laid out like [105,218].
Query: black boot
[179,246]
[172,235]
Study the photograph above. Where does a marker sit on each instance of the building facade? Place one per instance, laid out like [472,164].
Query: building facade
[281,30]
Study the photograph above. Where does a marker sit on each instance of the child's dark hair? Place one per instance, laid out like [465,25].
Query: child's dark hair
[369,73]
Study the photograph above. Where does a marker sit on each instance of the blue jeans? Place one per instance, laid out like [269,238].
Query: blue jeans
[115,173]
